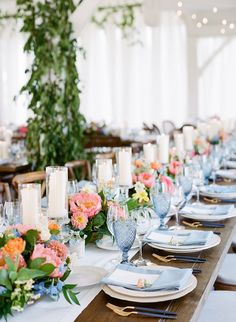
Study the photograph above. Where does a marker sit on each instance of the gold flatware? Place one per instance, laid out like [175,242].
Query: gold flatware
[165,259]
[195,224]
[227,180]
[214,200]
[138,308]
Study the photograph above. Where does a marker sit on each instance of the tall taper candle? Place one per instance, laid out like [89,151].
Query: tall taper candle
[163,148]
[188,137]
[124,167]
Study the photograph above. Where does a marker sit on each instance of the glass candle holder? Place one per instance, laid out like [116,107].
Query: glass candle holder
[56,189]
[30,203]
[124,160]
[104,173]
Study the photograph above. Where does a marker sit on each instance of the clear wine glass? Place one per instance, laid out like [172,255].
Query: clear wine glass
[198,181]
[215,167]
[186,182]
[2,219]
[143,224]
[177,198]
[11,212]
[124,228]
[161,203]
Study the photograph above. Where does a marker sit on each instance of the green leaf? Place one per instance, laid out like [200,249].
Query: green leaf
[12,266]
[31,237]
[4,279]
[13,276]
[73,297]
[70,286]
[37,262]
[64,291]
[47,268]
[25,274]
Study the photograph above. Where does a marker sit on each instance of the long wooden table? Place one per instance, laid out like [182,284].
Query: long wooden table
[189,306]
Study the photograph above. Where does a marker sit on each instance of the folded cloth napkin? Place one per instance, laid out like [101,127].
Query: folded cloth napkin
[231,164]
[220,189]
[204,209]
[167,279]
[187,238]
[228,174]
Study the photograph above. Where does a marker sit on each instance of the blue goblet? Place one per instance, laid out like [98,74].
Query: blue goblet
[124,229]
[161,204]
[186,184]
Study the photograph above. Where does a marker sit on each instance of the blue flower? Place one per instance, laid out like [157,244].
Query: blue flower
[41,289]
[2,290]
[16,233]
[54,292]
[60,285]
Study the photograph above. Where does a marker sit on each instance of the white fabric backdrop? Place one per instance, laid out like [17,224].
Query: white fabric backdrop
[126,85]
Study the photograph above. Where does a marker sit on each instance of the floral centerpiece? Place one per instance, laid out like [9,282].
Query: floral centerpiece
[88,215]
[201,146]
[30,268]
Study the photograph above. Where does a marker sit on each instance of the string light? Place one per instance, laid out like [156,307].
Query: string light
[231,26]
[205,20]
[180,4]
[224,22]
[222,31]
[199,25]
[179,13]
[215,10]
[194,16]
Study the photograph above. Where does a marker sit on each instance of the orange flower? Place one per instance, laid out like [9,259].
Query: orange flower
[14,247]
[155,165]
[138,163]
[53,226]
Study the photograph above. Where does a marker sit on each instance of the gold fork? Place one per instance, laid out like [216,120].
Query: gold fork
[121,308]
[165,259]
[195,224]
[214,200]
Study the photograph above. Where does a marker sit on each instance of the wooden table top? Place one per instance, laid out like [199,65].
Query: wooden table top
[187,307]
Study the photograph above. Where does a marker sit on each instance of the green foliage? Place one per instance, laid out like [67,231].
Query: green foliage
[56,126]
[123,16]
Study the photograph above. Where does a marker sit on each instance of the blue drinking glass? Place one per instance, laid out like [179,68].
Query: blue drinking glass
[161,204]
[125,232]
[186,184]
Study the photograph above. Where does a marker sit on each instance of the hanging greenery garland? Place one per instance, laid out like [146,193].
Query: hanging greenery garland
[55,128]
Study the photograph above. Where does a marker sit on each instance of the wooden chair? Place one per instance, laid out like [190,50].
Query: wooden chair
[30,177]
[5,194]
[108,155]
[83,165]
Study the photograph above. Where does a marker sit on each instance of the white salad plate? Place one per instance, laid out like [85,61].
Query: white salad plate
[86,275]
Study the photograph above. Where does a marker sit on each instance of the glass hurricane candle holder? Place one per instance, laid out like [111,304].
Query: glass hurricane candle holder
[30,203]
[56,190]
[124,160]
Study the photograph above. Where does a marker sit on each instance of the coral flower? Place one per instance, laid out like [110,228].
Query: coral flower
[87,203]
[138,163]
[79,220]
[175,167]
[53,226]
[156,165]
[50,258]
[134,178]
[14,247]
[168,183]
[147,179]
[60,249]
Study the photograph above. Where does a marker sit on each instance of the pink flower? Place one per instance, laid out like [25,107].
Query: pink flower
[168,183]
[50,258]
[87,203]
[147,179]
[134,178]
[60,249]
[175,167]
[22,229]
[79,220]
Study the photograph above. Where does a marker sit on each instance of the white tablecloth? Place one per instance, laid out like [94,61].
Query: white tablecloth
[47,310]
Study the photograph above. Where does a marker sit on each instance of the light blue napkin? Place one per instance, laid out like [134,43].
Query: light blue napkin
[168,279]
[206,209]
[190,238]
[221,189]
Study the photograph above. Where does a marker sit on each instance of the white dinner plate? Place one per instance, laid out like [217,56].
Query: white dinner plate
[155,299]
[214,241]
[231,164]
[107,243]
[210,218]
[143,294]
[86,275]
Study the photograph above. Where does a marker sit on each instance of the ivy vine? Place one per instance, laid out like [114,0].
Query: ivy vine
[123,16]
[55,129]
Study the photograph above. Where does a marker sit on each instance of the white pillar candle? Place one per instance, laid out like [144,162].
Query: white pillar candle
[57,193]
[149,151]
[124,167]
[4,147]
[163,148]
[104,173]
[188,138]
[30,198]
[179,144]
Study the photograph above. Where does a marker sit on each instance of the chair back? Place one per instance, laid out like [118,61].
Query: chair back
[168,127]
[108,155]
[83,165]
[5,193]
[30,177]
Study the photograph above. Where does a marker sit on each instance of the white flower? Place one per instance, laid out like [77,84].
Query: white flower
[139,187]
[28,285]
[89,188]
